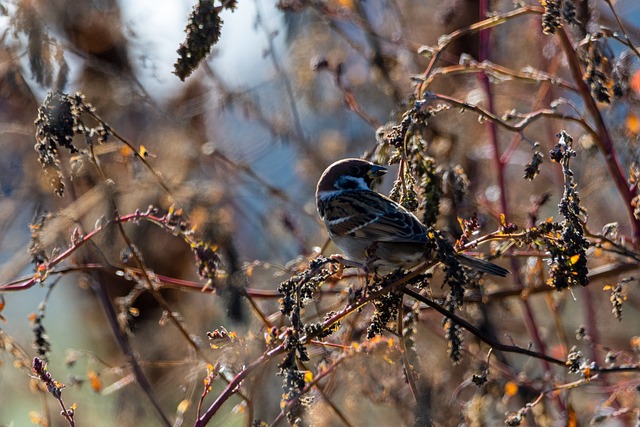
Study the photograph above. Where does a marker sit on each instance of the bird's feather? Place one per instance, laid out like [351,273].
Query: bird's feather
[369,215]
[482,265]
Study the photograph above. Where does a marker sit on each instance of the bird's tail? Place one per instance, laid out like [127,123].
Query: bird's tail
[482,265]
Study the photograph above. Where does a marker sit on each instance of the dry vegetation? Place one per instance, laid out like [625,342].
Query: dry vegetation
[163,264]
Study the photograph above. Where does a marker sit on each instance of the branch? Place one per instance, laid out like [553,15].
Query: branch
[475,331]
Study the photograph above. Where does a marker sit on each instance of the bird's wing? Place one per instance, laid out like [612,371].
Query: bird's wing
[369,215]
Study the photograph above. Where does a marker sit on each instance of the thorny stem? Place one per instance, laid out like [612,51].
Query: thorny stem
[111,315]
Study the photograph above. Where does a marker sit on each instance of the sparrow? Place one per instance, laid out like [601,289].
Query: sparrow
[372,230]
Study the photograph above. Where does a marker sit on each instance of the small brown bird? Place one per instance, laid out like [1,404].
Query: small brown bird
[371,229]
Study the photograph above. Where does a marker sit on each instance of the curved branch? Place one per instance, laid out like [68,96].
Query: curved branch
[475,331]
[516,127]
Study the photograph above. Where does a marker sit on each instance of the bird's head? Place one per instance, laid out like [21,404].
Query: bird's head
[349,174]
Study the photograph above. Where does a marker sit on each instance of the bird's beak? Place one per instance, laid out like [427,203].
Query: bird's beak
[376,171]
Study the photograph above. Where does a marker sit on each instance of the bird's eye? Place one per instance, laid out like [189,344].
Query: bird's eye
[354,171]
[349,183]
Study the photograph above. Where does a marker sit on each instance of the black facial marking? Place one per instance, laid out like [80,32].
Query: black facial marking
[347,183]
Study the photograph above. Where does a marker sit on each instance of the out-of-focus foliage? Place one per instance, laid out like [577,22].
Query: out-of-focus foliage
[163,264]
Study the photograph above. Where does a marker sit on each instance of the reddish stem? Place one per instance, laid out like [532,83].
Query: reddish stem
[483,54]
[604,138]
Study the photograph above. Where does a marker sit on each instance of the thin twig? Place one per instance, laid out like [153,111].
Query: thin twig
[475,331]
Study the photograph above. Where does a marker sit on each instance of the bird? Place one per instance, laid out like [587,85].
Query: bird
[372,230]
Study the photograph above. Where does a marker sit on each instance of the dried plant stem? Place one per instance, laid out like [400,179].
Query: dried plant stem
[624,31]
[478,333]
[603,140]
[499,165]
[127,349]
[491,22]
[525,121]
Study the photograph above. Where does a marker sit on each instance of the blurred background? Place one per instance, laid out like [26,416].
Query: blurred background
[291,87]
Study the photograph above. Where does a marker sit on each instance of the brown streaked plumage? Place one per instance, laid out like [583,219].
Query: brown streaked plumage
[372,229]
